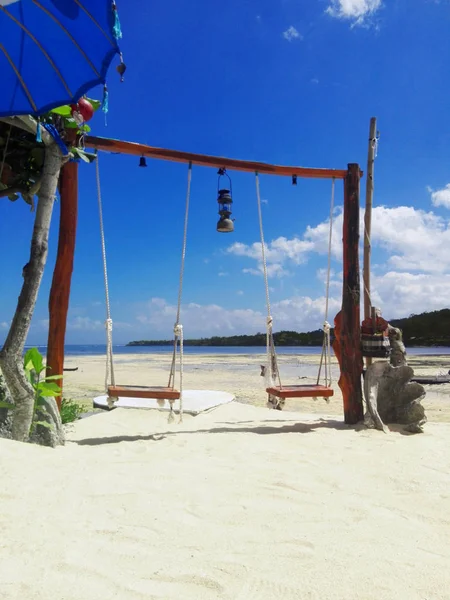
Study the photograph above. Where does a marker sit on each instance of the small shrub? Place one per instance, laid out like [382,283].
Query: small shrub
[71,410]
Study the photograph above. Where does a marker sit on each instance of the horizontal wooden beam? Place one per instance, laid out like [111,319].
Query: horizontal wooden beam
[203,160]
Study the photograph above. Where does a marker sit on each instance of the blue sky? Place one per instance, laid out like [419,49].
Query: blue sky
[289,82]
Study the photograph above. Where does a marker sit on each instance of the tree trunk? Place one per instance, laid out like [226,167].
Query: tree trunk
[11,361]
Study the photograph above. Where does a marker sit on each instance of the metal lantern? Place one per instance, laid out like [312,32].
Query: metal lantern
[224,224]
[142,162]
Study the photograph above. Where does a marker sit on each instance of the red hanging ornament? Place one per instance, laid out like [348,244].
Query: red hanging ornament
[83,111]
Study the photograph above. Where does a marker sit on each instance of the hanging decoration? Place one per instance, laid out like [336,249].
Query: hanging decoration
[225,224]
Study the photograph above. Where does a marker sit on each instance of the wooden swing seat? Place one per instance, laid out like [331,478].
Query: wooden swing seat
[300,391]
[137,391]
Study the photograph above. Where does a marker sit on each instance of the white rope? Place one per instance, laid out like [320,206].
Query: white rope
[178,327]
[109,375]
[325,358]
[272,364]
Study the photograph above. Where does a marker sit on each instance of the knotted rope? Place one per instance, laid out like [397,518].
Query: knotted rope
[178,327]
[109,374]
[325,357]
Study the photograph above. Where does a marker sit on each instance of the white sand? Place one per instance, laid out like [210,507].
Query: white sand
[241,503]
[240,376]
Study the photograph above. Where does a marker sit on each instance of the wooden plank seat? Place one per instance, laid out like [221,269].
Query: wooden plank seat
[137,391]
[300,391]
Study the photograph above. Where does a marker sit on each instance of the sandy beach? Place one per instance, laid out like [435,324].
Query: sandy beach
[239,503]
[240,376]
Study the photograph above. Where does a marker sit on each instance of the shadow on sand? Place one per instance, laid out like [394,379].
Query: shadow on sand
[239,427]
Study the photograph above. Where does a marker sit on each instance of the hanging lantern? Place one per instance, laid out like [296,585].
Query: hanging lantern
[225,224]
[142,162]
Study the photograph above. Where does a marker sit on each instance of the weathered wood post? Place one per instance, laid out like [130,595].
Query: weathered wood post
[62,275]
[347,344]
[368,221]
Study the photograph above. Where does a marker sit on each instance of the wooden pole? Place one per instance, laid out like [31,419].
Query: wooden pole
[347,343]
[62,275]
[368,222]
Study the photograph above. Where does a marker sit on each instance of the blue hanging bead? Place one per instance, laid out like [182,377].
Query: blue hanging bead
[117,30]
[105,102]
[38,132]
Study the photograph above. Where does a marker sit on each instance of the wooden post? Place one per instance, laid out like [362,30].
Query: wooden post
[347,344]
[62,275]
[368,222]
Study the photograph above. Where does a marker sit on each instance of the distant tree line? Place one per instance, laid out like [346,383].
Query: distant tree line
[425,329]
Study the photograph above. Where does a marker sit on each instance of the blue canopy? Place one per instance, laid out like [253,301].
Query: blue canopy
[53,51]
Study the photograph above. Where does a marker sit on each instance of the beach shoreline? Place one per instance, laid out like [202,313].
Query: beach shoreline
[240,375]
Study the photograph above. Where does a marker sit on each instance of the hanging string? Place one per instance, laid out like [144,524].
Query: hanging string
[272,363]
[178,328]
[109,375]
[325,358]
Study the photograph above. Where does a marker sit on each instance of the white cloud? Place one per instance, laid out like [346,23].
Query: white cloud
[85,324]
[88,324]
[441,197]
[4,325]
[291,34]
[223,274]
[299,313]
[416,240]
[402,294]
[240,293]
[357,11]
[277,252]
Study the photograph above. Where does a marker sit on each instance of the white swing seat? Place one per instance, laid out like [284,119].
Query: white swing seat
[134,391]
[300,391]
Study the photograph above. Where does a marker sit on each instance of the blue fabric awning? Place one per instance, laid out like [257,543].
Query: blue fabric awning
[52,52]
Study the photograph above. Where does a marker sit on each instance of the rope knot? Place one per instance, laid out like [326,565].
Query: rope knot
[326,327]
[269,321]
[178,329]
[108,324]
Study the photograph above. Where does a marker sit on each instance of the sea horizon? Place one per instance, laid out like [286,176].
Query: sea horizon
[99,349]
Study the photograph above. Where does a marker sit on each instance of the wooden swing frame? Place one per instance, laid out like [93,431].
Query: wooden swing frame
[346,324]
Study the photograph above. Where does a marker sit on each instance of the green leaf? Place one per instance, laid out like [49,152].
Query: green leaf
[53,378]
[44,424]
[33,360]
[85,128]
[6,405]
[80,154]
[64,111]
[40,402]
[48,390]
[70,123]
